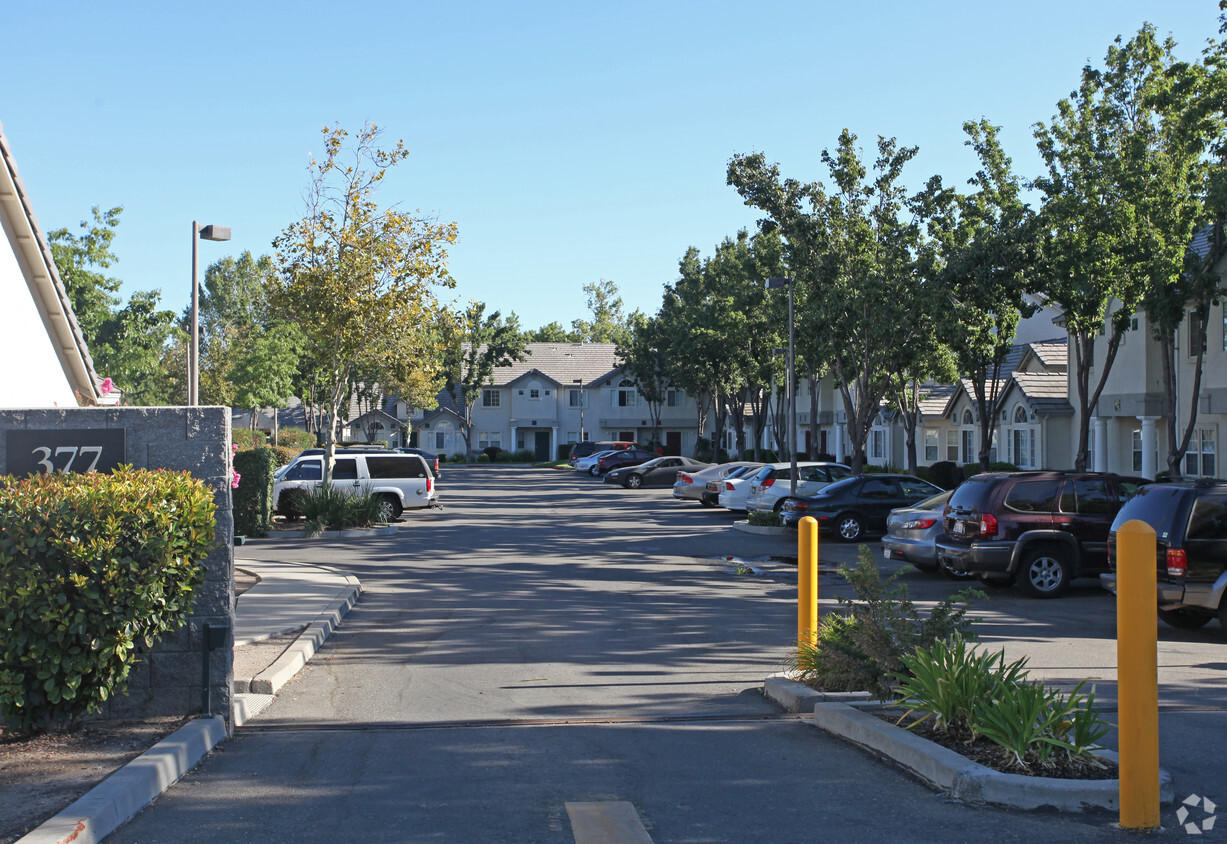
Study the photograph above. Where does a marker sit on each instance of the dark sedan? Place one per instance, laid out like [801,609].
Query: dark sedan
[856,505]
[659,471]
[618,459]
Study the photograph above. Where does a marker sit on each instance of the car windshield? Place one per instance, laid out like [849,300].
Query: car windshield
[970,493]
[936,502]
[838,487]
[1155,505]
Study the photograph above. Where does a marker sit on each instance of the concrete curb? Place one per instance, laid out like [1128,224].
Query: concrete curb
[120,796]
[270,680]
[798,697]
[763,530]
[963,779]
[386,530]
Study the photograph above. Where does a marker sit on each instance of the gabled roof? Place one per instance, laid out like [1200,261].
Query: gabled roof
[46,288]
[561,363]
[378,415]
[936,400]
[1047,392]
[1052,354]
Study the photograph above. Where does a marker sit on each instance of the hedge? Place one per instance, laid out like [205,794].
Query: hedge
[253,497]
[93,568]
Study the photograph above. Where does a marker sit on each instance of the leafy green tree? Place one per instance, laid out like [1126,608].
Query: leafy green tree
[608,324]
[126,343]
[976,264]
[851,251]
[359,280]
[552,333]
[476,345]
[643,358]
[1186,154]
[1104,220]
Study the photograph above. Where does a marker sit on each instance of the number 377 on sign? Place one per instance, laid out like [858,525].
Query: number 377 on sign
[63,450]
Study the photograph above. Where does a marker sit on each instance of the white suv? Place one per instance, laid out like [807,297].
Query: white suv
[402,481]
[772,483]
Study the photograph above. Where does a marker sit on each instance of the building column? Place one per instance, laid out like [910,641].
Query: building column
[553,443]
[1148,446]
[839,442]
[513,445]
[1099,457]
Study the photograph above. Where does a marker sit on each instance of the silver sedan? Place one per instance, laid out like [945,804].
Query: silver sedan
[912,531]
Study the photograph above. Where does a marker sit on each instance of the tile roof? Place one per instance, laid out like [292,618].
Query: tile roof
[562,363]
[1047,392]
[1053,354]
[936,400]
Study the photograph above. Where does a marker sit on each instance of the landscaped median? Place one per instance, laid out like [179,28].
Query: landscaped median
[851,717]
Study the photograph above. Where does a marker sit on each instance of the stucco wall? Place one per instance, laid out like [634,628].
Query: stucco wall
[168,679]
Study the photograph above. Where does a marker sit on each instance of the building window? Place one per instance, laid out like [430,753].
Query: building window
[1199,459]
[1136,437]
[1023,441]
[534,393]
[952,445]
[576,398]
[490,398]
[932,445]
[1197,335]
[969,446]
[440,440]
[675,398]
[877,444]
[625,396]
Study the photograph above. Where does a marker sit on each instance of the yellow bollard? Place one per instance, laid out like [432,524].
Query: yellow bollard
[807,580]
[1137,675]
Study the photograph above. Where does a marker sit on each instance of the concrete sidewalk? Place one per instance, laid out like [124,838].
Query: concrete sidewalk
[279,624]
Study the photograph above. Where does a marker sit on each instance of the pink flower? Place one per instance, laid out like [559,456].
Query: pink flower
[234,484]
[106,386]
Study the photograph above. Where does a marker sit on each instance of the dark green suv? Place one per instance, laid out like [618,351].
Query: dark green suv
[1190,523]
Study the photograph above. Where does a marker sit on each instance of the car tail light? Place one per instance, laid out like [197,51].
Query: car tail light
[918,524]
[988,525]
[684,478]
[1177,562]
[429,484]
[767,483]
[728,486]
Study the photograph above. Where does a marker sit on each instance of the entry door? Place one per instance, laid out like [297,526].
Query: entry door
[542,442]
[673,442]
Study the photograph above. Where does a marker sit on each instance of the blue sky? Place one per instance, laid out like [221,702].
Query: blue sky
[570,142]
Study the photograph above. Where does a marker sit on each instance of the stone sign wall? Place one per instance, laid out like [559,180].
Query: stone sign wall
[168,680]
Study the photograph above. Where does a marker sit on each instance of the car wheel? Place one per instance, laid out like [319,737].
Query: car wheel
[389,508]
[633,481]
[594,471]
[1044,572]
[850,527]
[779,505]
[1186,618]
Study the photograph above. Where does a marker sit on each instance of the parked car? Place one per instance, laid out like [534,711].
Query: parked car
[402,481]
[659,471]
[912,531]
[617,459]
[587,448]
[693,486]
[712,490]
[773,483]
[734,489]
[851,507]
[588,464]
[1039,529]
[432,459]
[1190,522]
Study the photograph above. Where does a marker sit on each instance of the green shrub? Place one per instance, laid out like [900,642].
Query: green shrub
[93,569]
[296,438]
[882,626]
[483,458]
[284,454]
[504,457]
[980,694]
[764,519]
[524,455]
[327,508]
[245,438]
[253,497]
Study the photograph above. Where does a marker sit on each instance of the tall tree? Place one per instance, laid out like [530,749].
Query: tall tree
[476,345]
[642,357]
[126,343]
[608,324]
[359,280]
[1099,242]
[851,248]
[976,261]
[552,332]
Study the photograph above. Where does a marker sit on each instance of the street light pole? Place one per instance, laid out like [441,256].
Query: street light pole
[580,382]
[193,363]
[789,388]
